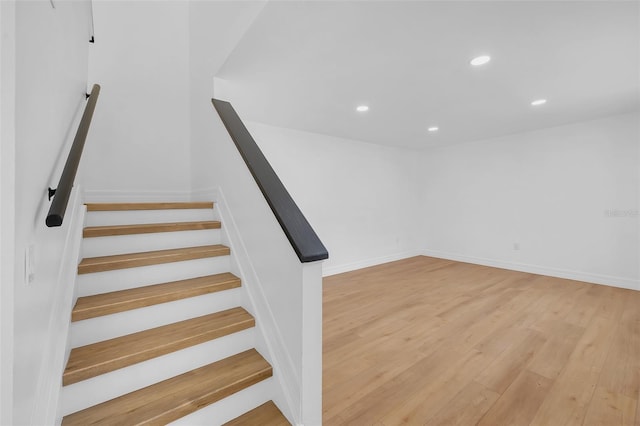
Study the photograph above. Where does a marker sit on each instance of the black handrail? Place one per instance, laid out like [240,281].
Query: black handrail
[63,191]
[303,239]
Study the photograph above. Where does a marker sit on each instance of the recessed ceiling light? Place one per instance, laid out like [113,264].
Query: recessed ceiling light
[362,108]
[433,129]
[538,102]
[480,60]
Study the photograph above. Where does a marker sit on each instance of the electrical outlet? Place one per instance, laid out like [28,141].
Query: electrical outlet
[30,264]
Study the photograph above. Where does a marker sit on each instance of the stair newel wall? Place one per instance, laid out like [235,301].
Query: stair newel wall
[282,293]
[311,374]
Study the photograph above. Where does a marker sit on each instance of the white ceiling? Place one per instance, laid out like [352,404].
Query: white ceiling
[307,65]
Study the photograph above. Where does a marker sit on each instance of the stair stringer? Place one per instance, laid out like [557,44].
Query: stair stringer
[57,347]
[269,340]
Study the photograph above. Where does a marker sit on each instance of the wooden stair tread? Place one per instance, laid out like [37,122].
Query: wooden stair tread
[102,357]
[124,300]
[132,260]
[148,228]
[265,415]
[102,207]
[173,398]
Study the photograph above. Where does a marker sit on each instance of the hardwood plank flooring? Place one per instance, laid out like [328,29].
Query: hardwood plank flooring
[426,341]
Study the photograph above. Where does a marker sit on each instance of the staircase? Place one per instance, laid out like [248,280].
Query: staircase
[158,332]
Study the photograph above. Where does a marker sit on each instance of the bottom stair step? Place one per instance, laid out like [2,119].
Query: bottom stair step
[265,415]
[173,398]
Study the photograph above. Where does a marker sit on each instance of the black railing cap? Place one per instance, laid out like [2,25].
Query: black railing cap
[303,238]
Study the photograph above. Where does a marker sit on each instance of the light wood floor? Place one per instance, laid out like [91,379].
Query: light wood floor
[430,341]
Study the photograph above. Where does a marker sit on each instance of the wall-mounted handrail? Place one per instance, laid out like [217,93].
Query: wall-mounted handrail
[63,191]
[303,239]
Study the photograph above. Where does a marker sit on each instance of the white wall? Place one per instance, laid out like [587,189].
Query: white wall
[360,198]
[549,191]
[50,81]
[567,196]
[7,206]
[214,30]
[140,134]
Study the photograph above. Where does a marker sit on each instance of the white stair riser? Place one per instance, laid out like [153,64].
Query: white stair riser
[134,217]
[96,390]
[230,407]
[106,327]
[121,279]
[121,244]
[87,393]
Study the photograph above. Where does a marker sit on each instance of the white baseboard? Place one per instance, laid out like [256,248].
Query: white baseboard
[365,263]
[114,196]
[608,280]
